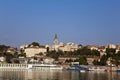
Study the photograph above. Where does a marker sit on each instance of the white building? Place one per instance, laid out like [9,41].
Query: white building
[70,47]
[118,46]
[11,50]
[62,46]
[48,60]
[23,46]
[111,46]
[2,59]
[92,47]
[32,51]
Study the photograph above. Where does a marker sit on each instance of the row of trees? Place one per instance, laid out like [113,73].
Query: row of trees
[9,56]
[85,52]
[81,60]
[80,52]
[111,56]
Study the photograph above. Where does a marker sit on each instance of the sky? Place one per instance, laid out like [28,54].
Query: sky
[94,22]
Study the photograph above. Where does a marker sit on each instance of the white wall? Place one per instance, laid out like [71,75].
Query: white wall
[32,51]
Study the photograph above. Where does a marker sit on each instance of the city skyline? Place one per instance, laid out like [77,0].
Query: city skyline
[81,22]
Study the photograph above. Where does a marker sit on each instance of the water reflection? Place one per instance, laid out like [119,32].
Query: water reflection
[56,75]
[99,76]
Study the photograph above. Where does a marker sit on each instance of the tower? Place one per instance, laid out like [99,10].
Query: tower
[55,40]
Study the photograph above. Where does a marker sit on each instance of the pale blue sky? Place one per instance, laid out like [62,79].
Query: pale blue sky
[79,21]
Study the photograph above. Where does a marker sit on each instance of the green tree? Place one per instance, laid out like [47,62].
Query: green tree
[15,55]
[35,58]
[16,61]
[41,54]
[85,51]
[68,60]
[47,49]
[103,60]
[9,57]
[116,58]
[53,54]
[60,52]
[95,53]
[22,55]
[35,44]
[82,60]
[118,53]
[110,51]
[3,49]
[96,62]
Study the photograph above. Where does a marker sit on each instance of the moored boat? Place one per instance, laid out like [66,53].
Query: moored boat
[31,66]
[118,70]
[97,69]
[80,68]
[45,66]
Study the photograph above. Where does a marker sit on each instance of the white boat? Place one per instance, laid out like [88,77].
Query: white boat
[82,71]
[31,66]
[45,66]
[97,69]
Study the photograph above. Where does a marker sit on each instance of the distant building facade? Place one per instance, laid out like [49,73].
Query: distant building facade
[111,46]
[65,47]
[33,50]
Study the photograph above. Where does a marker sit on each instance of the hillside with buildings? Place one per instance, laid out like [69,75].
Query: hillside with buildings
[61,53]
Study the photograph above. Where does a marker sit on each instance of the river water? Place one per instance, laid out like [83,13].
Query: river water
[56,75]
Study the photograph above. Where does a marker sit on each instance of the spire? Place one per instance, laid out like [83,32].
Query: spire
[55,40]
[55,37]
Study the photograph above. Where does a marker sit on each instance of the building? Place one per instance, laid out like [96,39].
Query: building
[65,47]
[102,50]
[33,50]
[111,46]
[92,47]
[63,59]
[2,59]
[23,47]
[11,50]
[55,40]
[118,46]
[68,47]
[48,60]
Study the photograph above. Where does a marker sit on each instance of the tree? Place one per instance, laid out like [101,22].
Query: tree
[60,52]
[110,51]
[83,51]
[35,44]
[68,60]
[103,60]
[118,53]
[53,54]
[22,55]
[16,61]
[8,57]
[95,53]
[47,49]
[96,62]
[82,60]
[3,49]
[41,54]
[116,58]
[15,54]
[35,58]
[86,51]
